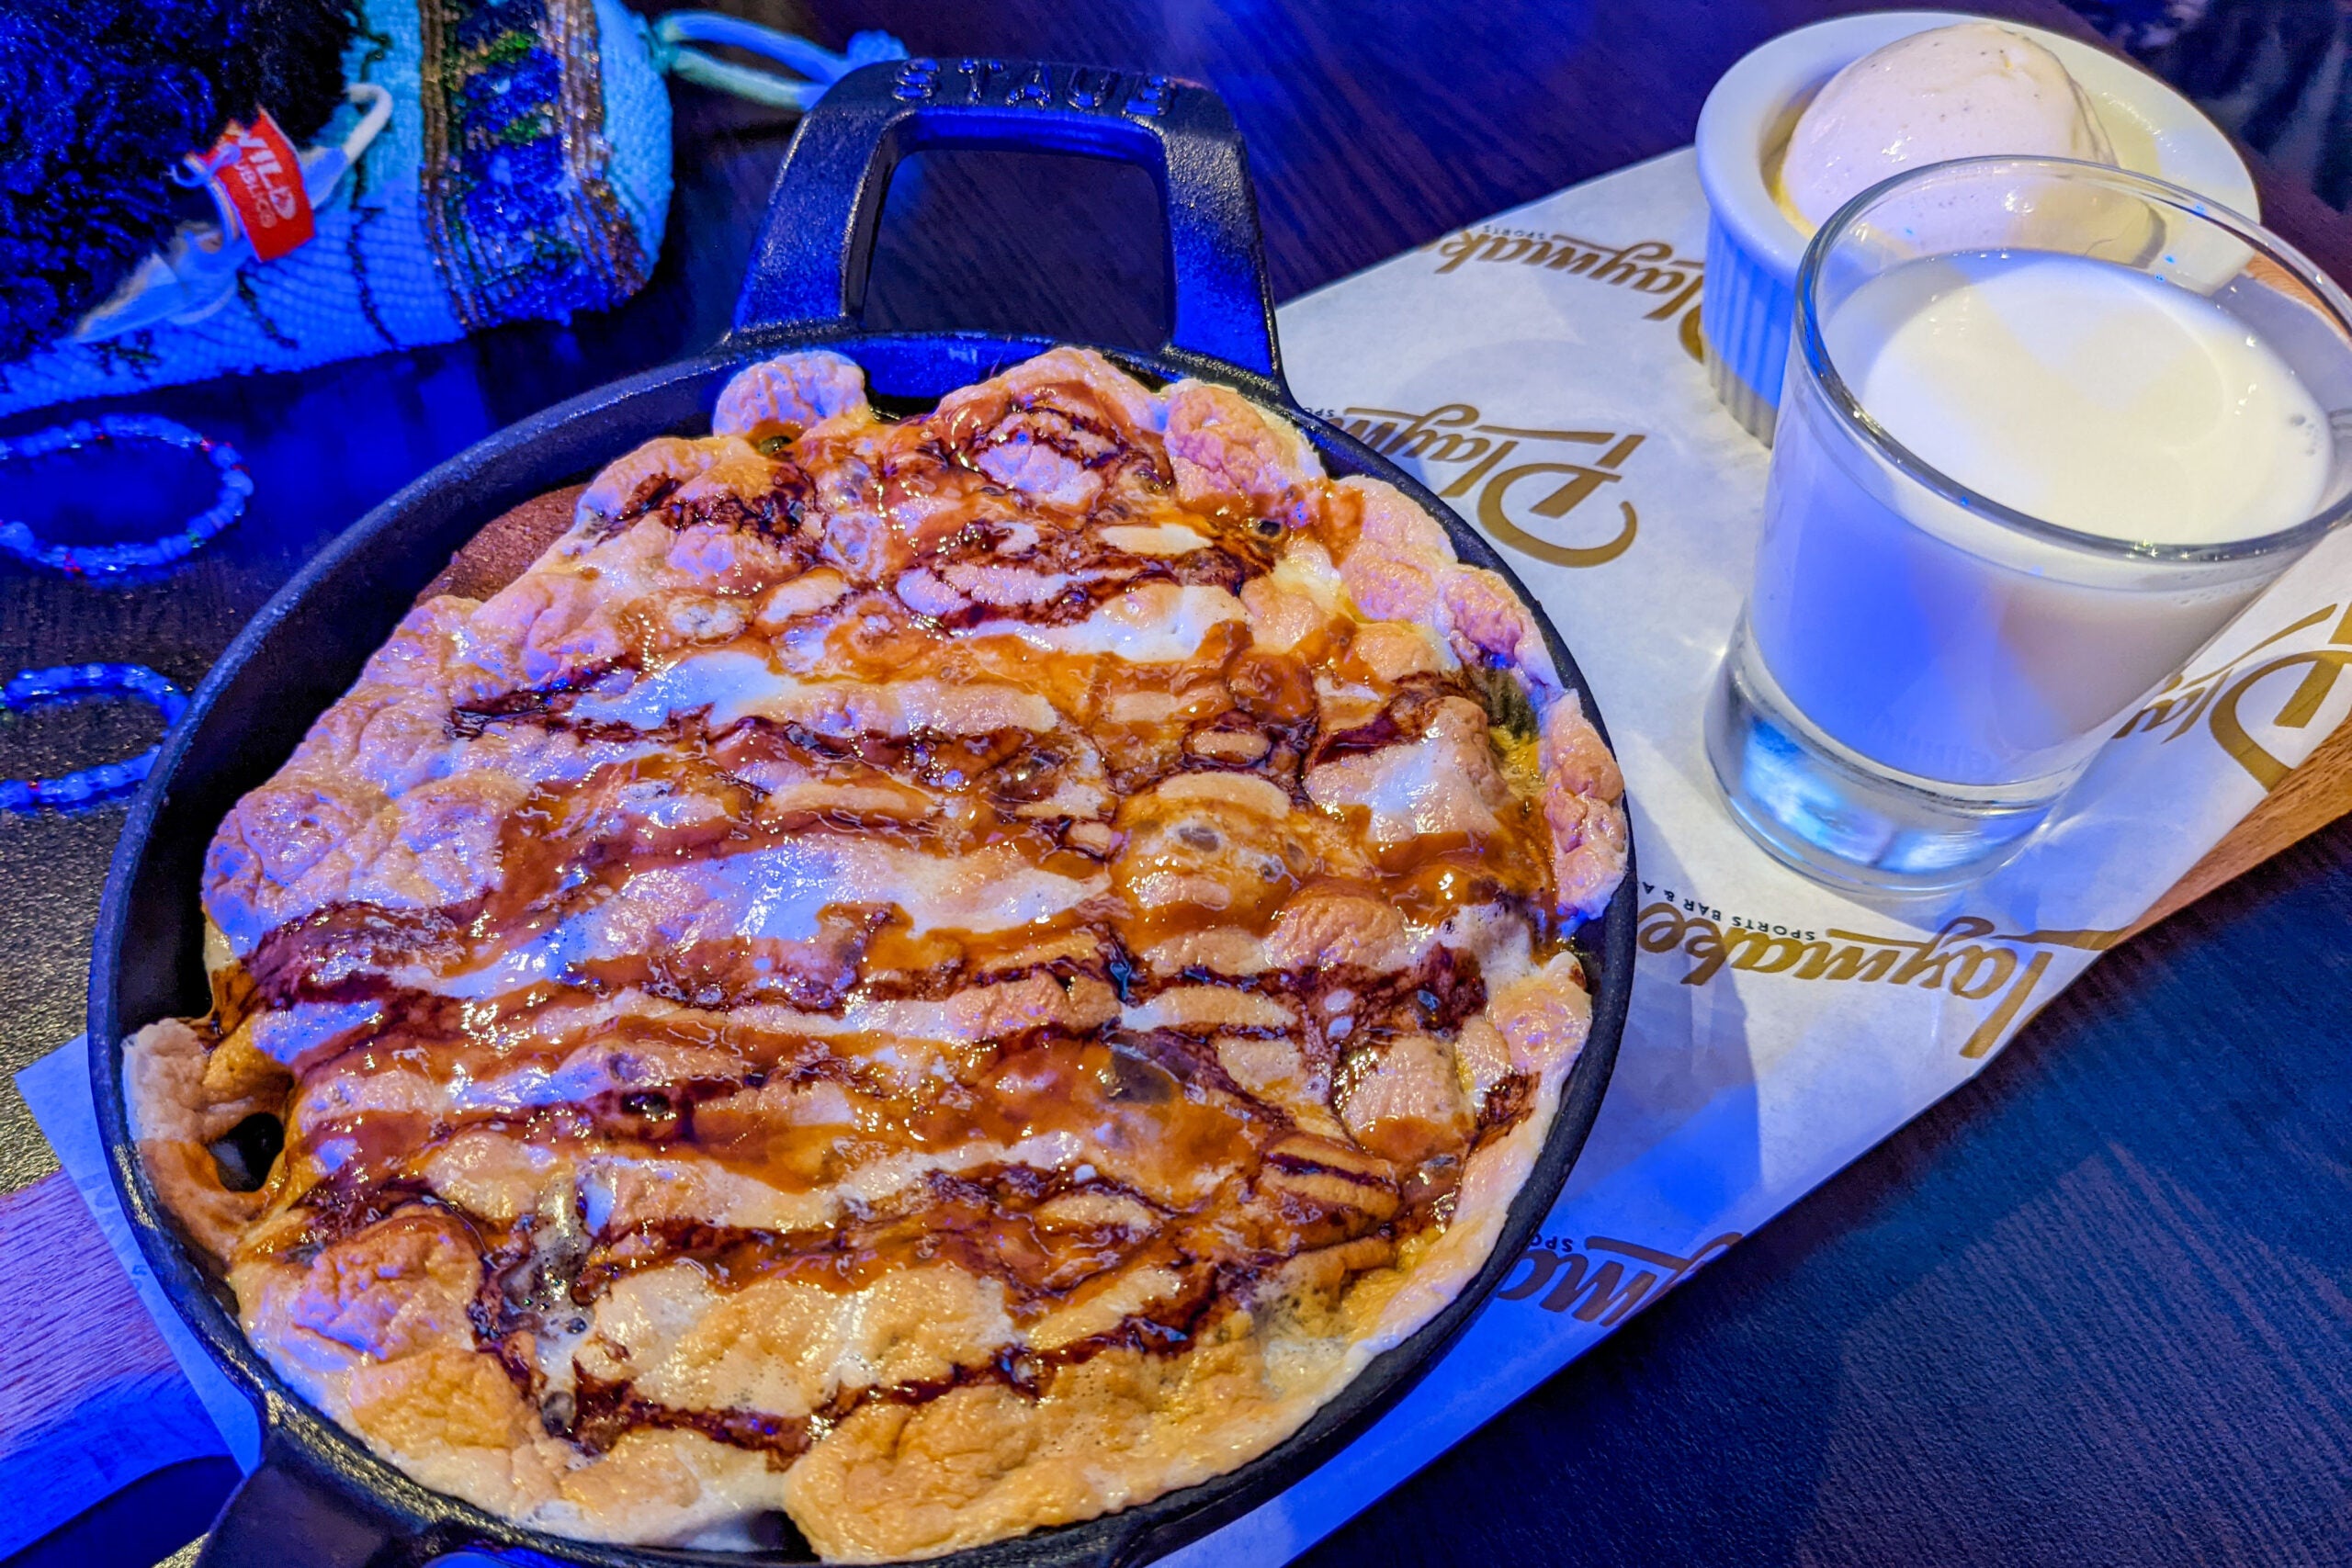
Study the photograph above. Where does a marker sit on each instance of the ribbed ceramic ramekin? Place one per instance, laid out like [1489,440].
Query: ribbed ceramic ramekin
[1753,248]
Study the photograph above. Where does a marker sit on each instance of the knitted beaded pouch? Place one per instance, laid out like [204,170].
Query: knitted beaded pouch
[492,161]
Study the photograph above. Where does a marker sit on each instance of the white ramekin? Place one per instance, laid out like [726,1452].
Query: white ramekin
[1753,248]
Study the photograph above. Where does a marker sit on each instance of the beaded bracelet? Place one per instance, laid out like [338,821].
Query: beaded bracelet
[108,781]
[114,562]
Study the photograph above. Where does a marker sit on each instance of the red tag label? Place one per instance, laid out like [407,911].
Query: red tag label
[259,173]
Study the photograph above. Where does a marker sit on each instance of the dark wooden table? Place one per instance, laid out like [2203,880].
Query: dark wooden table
[2095,1307]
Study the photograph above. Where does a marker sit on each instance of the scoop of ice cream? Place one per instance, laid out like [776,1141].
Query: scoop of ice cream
[1963,91]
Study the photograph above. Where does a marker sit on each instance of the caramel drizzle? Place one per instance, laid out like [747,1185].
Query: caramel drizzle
[555,857]
[599,1413]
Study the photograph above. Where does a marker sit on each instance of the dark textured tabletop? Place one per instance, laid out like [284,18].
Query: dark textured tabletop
[2095,1307]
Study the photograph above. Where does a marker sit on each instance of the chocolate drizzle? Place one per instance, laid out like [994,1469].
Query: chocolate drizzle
[596,1414]
[777,514]
[1217,1151]
[1404,719]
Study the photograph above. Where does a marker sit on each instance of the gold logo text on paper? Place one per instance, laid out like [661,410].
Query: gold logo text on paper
[1524,480]
[1967,958]
[1605,1280]
[2222,698]
[1645,268]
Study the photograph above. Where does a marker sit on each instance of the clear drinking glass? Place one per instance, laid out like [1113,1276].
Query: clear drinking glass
[1922,670]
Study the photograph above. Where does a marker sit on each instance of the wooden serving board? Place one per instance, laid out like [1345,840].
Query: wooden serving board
[2309,798]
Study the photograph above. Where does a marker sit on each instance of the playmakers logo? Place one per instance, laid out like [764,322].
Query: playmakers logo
[2221,698]
[1967,959]
[1606,1280]
[1527,481]
[1645,268]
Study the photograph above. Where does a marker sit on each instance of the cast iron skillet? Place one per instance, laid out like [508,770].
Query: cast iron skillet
[320,1499]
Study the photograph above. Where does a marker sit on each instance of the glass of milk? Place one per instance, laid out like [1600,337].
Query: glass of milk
[2048,426]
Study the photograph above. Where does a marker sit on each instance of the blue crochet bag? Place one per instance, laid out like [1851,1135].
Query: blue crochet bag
[493,160]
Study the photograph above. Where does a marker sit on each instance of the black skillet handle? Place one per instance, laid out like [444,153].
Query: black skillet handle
[293,1512]
[816,248]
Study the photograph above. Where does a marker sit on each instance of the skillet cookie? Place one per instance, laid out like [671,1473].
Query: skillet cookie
[944,976]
